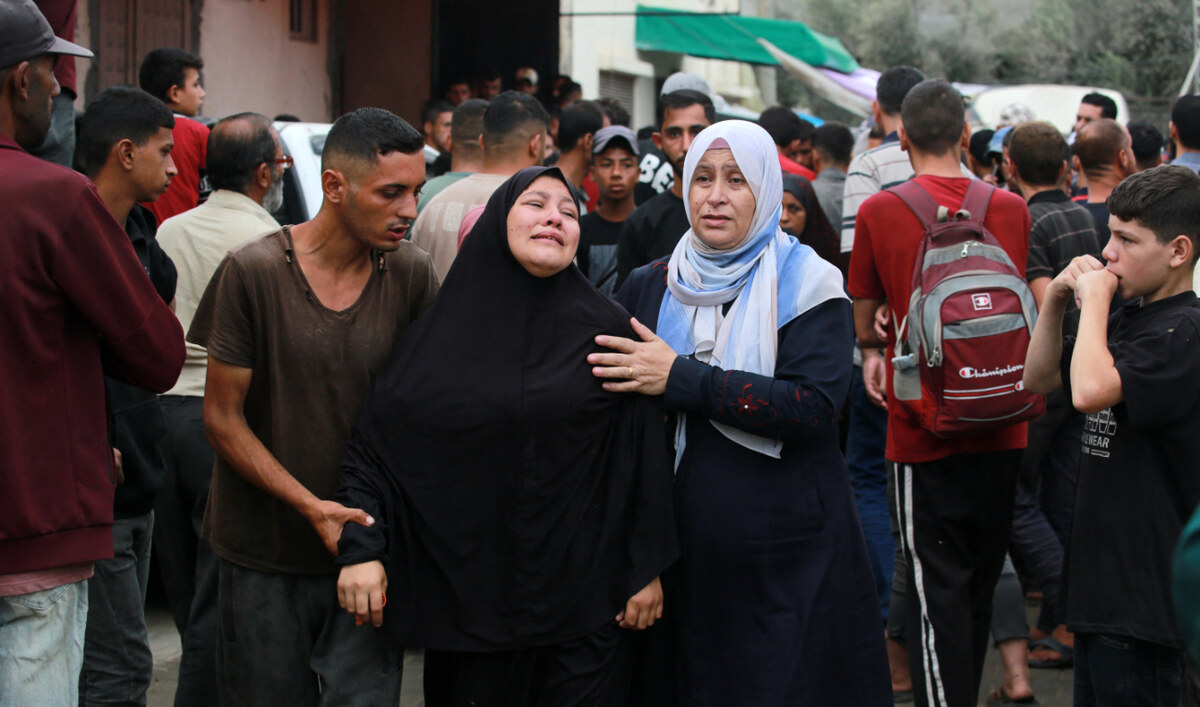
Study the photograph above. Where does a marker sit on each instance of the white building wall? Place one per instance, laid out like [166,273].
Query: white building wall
[252,64]
[590,44]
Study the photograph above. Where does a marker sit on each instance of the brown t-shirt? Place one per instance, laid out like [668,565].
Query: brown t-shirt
[312,368]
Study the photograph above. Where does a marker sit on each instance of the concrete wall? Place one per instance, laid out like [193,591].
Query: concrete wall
[591,44]
[251,63]
[386,55]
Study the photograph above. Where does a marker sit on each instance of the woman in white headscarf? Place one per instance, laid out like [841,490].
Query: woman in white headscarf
[747,334]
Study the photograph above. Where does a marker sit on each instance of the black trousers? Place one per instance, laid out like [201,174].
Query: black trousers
[955,521]
[593,671]
[185,560]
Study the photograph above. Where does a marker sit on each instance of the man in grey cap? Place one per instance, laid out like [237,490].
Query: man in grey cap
[657,173]
[615,167]
[76,304]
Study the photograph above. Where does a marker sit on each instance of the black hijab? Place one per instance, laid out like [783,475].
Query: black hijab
[517,502]
[818,233]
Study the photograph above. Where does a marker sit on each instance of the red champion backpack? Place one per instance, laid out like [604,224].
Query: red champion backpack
[960,352]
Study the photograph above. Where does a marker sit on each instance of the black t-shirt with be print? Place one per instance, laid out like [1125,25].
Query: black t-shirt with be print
[1139,475]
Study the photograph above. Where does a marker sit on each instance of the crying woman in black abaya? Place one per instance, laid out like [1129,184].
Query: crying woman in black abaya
[523,513]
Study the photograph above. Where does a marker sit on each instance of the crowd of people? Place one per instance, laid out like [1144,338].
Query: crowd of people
[703,414]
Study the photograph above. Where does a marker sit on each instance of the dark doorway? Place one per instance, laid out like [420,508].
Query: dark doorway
[474,35]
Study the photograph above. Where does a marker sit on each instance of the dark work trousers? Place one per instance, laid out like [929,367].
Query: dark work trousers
[117,664]
[285,641]
[866,439]
[1008,607]
[59,145]
[592,671]
[1126,672]
[955,518]
[1045,501]
[186,562]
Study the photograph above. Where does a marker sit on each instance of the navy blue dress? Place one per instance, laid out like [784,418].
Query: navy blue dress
[776,599]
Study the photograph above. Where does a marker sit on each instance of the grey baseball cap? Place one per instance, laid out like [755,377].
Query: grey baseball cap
[25,34]
[684,80]
[620,133]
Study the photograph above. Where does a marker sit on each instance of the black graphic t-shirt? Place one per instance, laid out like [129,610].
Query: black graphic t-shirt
[1139,475]
[597,252]
[656,175]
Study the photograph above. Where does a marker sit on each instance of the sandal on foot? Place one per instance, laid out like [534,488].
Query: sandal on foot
[999,697]
[1066,654]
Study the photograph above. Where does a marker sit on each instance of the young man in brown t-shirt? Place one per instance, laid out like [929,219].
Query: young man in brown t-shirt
[296,324]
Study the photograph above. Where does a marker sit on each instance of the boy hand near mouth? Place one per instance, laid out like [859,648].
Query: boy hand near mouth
[1135,372]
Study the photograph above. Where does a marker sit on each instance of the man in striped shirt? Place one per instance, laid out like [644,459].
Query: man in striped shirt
[869,173]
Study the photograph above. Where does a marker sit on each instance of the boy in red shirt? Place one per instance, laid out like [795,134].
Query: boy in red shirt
[954,496]
[173,76]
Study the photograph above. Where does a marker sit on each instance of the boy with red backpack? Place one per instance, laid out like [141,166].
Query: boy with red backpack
[955,444]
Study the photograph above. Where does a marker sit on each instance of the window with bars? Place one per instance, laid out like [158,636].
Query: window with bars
[302,20]
[617,86]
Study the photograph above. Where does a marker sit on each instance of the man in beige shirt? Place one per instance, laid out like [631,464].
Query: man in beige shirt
[514,135]
[245,166]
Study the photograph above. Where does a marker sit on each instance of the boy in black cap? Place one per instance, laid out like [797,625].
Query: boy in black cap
[615,166]
[1135,373]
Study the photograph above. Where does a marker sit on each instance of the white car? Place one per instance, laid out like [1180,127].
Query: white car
[302,183]
[1052,103]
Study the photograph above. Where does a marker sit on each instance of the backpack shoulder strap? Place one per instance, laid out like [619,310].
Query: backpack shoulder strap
[979,195]
[918,201]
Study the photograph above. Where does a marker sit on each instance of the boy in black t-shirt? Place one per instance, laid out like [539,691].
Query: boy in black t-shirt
[1135,373]
[615,166]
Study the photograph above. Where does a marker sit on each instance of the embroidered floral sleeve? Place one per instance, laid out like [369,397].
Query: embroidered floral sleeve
[813,370]
[765,406]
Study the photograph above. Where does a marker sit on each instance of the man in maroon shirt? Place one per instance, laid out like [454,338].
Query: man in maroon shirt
[954,496]
[77,305]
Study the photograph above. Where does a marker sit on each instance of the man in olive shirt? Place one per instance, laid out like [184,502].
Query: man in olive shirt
[296,324]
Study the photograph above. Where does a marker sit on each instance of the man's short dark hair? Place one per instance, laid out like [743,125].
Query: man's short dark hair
[617,115]
[1185,114]
[466,124]
[117,113]
[1037,150]
[510,117]
[1147,143]
[166,67]
[1099,144]
[683,99]
[834,143]
[577,120]
[1165,200]
[567,90]
[980,142]
[784,126]
[1107,106]
[893,85]
[237,145]
[365,134]
[433,108]
[933,117]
